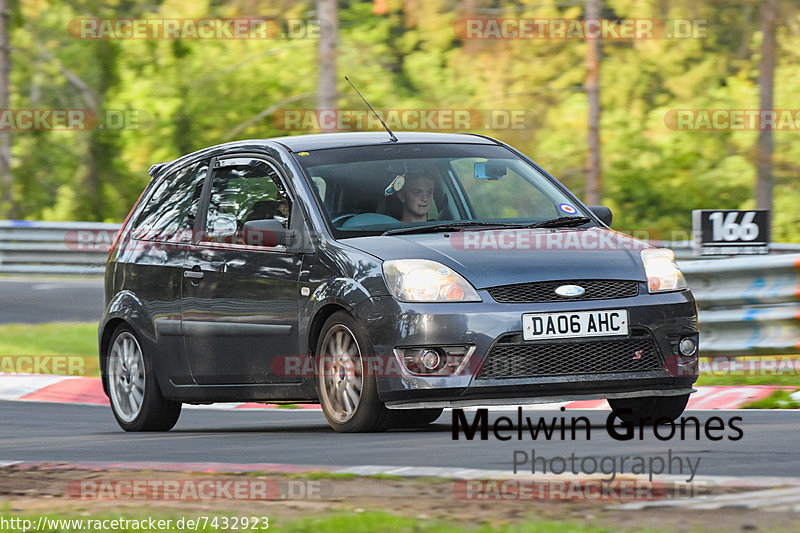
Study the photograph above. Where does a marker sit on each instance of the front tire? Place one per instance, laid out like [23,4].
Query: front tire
[136,400]
[649,410]
[346,384]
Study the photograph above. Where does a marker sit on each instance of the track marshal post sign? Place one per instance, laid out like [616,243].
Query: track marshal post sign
[731,231]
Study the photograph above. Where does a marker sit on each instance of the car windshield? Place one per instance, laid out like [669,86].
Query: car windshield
[405,188]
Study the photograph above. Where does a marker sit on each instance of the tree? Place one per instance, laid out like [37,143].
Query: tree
[765,181]
[329,34]
[593,179]
[6,179]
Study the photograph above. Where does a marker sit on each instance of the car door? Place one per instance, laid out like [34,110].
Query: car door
[159,241]
[240,287]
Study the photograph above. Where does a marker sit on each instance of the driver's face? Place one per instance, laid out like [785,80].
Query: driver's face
[417,196]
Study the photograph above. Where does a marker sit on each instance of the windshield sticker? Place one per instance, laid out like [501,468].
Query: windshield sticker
[567,208]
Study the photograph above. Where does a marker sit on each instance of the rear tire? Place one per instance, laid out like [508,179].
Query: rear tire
[649,410]
[346,384]
[136,400]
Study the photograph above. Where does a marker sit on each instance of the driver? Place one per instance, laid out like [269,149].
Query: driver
[416,197]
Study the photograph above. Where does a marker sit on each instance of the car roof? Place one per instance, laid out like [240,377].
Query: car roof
[322,141]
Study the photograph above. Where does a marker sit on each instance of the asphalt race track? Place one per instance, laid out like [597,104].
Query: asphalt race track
[39,300]
[34,431]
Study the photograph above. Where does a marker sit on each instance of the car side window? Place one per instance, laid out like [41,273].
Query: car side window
[170,212]
[242,191]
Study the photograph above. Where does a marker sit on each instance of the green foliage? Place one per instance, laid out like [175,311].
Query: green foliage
[780,399]
[189,94]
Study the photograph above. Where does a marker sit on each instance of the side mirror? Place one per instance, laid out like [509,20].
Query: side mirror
[603,213]
[268,233]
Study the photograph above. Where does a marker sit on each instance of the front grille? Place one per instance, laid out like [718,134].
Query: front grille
[527,360]
[544,291]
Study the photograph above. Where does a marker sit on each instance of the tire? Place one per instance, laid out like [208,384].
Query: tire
[346,385]
[136,400]
[649,410]
[414,418]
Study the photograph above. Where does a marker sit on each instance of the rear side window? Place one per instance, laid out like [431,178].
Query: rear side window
[170,212]
[244,190]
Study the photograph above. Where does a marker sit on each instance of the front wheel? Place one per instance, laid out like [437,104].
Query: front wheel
[650,409]
[346,384]
[136,400]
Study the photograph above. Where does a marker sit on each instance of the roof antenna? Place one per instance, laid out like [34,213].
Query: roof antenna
[394,139]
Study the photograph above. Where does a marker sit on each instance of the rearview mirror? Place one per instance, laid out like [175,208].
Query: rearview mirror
[603,213]
[490,170]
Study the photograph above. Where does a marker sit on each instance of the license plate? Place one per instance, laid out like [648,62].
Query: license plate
[537,326]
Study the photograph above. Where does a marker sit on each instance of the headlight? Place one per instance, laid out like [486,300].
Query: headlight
[662,272]
[420,280]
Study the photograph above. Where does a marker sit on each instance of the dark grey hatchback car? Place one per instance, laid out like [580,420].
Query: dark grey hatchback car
[386,279]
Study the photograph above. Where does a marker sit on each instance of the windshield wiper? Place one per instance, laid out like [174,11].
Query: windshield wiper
[560,222]
[445,226]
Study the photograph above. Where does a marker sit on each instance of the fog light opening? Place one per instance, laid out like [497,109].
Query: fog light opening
[687,346]
[431,360]
[434,360]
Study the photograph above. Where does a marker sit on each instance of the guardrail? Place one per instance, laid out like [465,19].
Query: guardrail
[747,305]
[76,248]
[684,250]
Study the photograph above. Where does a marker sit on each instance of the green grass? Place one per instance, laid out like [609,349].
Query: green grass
[743,374]
[791,381]
[386,477]
[55,338]
[352,522]
[780,399]
[369,522]
[75,339]
[323,475]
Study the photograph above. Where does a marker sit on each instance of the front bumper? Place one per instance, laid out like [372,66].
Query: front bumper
[665,318]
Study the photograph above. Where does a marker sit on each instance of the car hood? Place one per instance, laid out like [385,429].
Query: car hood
[488,258]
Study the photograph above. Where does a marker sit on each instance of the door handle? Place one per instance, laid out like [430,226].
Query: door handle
[193,274]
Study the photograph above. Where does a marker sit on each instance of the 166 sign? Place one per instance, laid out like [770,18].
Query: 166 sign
[731,231]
